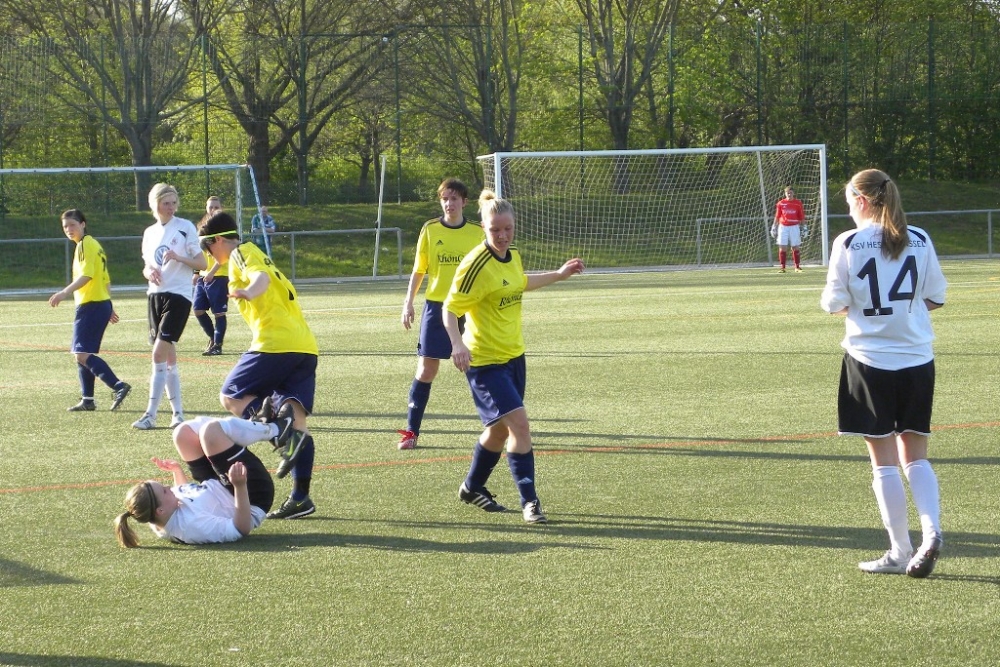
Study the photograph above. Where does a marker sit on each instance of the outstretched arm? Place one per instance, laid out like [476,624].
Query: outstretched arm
[173,467]
[570,268]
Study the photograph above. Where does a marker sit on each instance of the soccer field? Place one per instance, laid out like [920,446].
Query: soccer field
[702,509]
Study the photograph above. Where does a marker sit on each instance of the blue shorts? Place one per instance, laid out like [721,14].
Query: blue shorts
[497,389]
[89,325]
[434,341]
[213,296]
[281,375]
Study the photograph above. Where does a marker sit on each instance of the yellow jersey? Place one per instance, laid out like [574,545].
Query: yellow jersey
[89,260]
[488,289]
[275,317]
[440,250]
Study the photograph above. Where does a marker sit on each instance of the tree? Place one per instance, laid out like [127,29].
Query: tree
[467,70]
[287,67]
[624,39]
[127,62]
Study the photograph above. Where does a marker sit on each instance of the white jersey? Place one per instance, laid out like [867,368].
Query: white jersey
[180,236]
[888,324]
[205,515]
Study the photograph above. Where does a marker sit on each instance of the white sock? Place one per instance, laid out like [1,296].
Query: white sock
[157,381]
[174,389]
[891,498]
[926,495]
[244,432]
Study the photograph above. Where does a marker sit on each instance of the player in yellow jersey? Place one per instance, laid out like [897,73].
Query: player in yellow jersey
[211,294]
[442,244]
[487,289]
[91,291]
[279,369]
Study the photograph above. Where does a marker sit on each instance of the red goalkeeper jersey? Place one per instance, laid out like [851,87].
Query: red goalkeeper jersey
[789,212]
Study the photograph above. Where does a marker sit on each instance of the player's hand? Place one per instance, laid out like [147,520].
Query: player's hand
[572,267]
[57,298]
[239,294]
[154,276]
[461,357]
[407,316]
[774,232]
[238,474]
[114,317]
[169,465]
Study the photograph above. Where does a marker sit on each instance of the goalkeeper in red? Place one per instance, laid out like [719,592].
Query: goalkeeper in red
[787,229]
[488,288]
[279,369]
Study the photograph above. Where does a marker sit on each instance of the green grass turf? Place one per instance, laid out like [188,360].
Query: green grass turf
[703,512]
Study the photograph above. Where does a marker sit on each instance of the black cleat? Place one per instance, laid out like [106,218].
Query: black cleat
[293,509]
[923,562]
[482,499]
[83,406]
[122,390]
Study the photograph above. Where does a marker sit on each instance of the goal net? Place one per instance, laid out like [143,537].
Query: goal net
[34,252]
[647,209]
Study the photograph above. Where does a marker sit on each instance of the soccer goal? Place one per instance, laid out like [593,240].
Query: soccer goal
[649,209]
[34,253]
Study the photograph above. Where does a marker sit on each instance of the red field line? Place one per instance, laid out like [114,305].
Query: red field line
[540,452]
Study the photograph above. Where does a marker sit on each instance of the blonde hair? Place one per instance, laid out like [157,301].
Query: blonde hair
[882,196]
[140,504]
[490,205]
[158,192]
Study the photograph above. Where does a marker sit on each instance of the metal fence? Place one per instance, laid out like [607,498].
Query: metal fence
[313,256]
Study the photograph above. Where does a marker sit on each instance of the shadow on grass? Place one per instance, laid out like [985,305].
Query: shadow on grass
[13,573]
[31,660]
[287,541]
[602,526]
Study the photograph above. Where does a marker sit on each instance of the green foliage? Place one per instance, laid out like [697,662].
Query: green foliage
[702,509]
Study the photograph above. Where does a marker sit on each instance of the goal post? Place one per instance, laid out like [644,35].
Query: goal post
[649,209]
[115,201]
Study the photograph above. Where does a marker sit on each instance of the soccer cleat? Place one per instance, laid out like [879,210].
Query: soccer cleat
[482,499]
[781,270]
[266,412]
[213,350]
[290,452]
[533,512]
[885,565]
[120,393]
[798,269]
[293,509]
[283,420]
[84,405]
[407,440]
[145,422]
[923,562]
[177,419]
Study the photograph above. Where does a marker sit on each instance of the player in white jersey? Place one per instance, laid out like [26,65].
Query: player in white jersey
[231,493]
[885,277]
[170,255]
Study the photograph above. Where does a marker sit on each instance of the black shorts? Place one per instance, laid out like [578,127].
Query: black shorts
[877,403]
[260,486]
[168,314]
